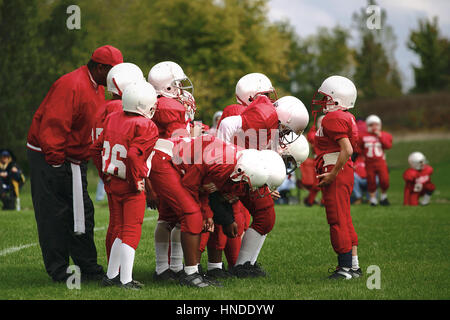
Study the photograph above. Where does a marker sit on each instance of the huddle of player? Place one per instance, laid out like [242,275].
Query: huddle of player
[205,187]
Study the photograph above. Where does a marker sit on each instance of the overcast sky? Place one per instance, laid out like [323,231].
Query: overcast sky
[402,15]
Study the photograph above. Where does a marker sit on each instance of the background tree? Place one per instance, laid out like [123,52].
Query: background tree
[433,74]
[376,72]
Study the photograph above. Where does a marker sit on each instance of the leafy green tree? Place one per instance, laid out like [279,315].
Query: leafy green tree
[433,74]
[376,72]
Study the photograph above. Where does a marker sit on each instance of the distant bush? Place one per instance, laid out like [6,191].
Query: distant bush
[430,111]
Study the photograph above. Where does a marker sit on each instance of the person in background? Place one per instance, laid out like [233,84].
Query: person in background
[372,145]
[418,183]
[360,185]
[11,180]
[212,131]
[285,189]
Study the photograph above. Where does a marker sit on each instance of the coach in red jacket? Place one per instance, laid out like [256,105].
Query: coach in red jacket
[58,149]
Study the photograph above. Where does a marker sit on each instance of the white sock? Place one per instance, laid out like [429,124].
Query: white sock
[162,237]
[373,200]
[250,244]
[176,250]
[161,256]
[255,256]
[126,263]
[425,199]
[383,196]
[212,265]
[355,263]
[191,269]
[114,260]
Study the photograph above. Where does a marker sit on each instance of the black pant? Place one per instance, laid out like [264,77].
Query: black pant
[51,190]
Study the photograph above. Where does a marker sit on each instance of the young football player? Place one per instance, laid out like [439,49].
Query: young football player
[373,143]
[418,181]
[174,112]
[120,154]
[335,141]
[118,78]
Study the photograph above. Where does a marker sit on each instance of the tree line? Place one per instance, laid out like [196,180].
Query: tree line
[216,42]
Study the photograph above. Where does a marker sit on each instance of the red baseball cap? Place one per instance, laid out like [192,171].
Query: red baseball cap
[107,55]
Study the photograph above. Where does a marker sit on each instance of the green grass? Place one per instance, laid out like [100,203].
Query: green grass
[411,245]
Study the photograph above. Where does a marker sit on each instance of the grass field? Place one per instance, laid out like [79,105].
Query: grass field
[411,246]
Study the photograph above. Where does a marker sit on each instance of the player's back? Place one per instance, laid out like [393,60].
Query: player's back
[231,110]
[106,109]
[170,116]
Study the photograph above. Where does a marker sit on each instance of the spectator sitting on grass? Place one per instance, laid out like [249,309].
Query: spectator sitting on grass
[11,180]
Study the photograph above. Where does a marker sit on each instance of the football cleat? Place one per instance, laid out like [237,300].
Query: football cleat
[385,202]
[132,285]
[257,270]
[107,282]
[167,275]
[356,273]
[242,270]
[194,280]
[340,274]
[218,274]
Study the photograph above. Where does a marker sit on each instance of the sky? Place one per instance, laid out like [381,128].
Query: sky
[402,15]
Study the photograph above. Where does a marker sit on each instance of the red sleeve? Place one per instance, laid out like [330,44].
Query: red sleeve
[96,151]
[56,122]
[311,136]
[386,140]
[335,128]
[139,151]
[409,175]
[204,205]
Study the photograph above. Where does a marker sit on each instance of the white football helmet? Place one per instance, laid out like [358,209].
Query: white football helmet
[140,98]
[169,80]
[275,167]
[372,119]
[252,85]
[338,93]
[293,117]
[121,75]
[417,160]
[294,153]
[216,118]
[250,168]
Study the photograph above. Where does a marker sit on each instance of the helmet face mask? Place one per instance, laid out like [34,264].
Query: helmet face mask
[187,99]
[295,153]
[293,118]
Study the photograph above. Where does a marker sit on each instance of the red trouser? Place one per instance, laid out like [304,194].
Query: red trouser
[262,211]
[218,240]
[176,204]
[412,198]
[127,214]
[377,168]
[337,205]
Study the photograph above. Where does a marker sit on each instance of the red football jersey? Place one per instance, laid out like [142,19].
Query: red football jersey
[415,179]
[372,146]
[109,107]
[62,125]
[335,125]
[311,137]
[231,110]
[170,116]
[124,146]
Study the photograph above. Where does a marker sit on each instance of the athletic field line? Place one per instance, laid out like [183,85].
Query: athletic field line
[7,251]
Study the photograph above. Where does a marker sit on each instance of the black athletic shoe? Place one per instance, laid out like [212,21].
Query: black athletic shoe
[257,270]
[167,275]
[385,202]
[242,270]
[107,282]
[194,280]
[132,285]
[218,274]
[356,273]
[340,274]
